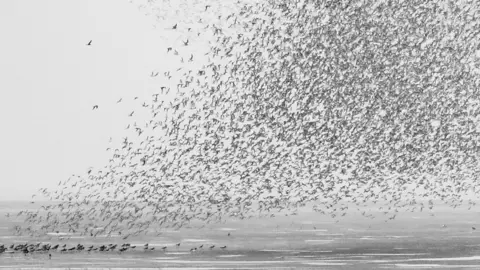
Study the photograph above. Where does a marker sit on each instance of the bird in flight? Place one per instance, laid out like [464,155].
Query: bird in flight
[175,26]
[131,114]
[206,7]
[95,107]
[89,43]
[120,100]
[186,42]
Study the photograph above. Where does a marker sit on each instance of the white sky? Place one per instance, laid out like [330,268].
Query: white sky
[51,79]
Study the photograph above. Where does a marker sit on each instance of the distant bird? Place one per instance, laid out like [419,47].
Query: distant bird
[228,234]
[120,100]
[131,114]
[211,247]
[224,247]
[89,43]
[49,256]
[473,228]
[95,107]
[164,248]
[169,49]
[186,42]
[206,7]
[175,26]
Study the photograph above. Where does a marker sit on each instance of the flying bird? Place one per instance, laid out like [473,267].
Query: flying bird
[89,43]
[95,107]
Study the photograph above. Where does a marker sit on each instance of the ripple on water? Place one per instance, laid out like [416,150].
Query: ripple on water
[324,263]
[318,241]
[195,240]
[419,266]
[472,258]
[396,254]
[230,256]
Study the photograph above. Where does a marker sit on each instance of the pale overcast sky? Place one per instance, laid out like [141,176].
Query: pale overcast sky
[51,80]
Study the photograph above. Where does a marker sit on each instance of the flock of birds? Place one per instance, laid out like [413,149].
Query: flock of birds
[125,247]
[337,104]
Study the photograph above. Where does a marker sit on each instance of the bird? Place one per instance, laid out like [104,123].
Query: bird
[206,7]
[175,26]
[89,43]
[473,228]
[186,42]
[95,107]
[131,114]
[224,247]
[120,100]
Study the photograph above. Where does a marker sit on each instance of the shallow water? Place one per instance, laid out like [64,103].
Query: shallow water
[409,242]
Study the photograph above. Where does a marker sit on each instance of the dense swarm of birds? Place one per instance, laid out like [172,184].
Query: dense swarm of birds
[336,103]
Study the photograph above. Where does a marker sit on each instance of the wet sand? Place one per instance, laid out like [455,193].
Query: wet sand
[412,241]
